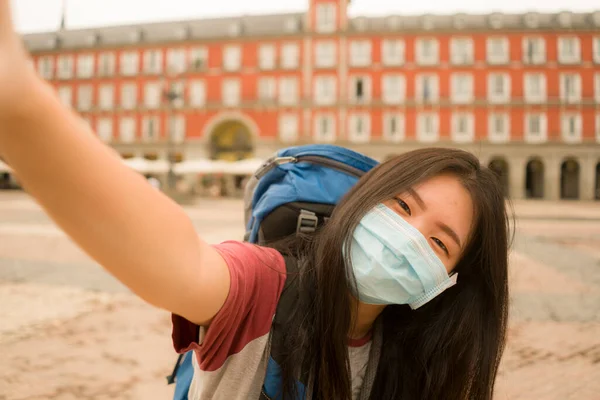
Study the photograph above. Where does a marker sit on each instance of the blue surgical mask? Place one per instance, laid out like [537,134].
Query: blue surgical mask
[393,263]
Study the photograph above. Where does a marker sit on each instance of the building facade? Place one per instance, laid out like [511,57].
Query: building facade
[522,92]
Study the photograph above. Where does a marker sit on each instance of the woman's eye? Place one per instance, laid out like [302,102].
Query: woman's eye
[404,206]
[441,245]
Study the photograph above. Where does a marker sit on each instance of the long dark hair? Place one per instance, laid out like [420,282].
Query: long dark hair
[448,349]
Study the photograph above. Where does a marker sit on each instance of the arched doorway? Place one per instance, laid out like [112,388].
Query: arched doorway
[569,179]
[597,191]
[5,181]
[499,166]
[534,179]
[231,141]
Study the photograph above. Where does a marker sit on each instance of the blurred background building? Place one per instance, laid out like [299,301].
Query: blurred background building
[521,91]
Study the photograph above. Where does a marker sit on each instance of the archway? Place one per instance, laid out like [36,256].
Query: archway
[569,179]
[499,166]
[231,141]
[597,191]
[5,181]
[534,179]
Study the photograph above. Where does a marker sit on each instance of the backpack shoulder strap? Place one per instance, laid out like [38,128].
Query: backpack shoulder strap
[285,306]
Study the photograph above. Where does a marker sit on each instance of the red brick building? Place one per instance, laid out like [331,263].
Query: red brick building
[522,91]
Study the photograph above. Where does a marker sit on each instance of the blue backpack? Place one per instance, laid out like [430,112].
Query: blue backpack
[295,191]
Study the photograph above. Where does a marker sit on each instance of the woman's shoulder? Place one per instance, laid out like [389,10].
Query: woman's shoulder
[250,254]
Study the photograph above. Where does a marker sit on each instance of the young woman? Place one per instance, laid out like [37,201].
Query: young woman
[414,258]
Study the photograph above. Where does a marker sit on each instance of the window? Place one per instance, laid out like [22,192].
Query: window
[461,51]
[325,90]
[198,58]
[535,128]
[392,52]
[393,127]
[288,128]
[84,97]
[360,89]
[325,54]
[153,62]
[463,130]
[129,96]
[266,56]
[427,88]
[177,128]
[150,128]
[498,128]
[569,50]
[324,128]
[231,92]
[152,95]
[428,127]
[197,93]
[106,64]
[498,88]
[359,128]
[570,88]
[267,89]
[46,67]
[85,66]
[130,63]
[290,54]
[462,88]
[232,58]
[65,67]
[288,91]
[360,53]
[571,127]
[106,97]
[65,94]
[427,51]
[535,87]
[176,60]
[127,130]
[326,17]
[105,129]
[534,50]
[497,50]
[596,50]
[177,89]
[393,89]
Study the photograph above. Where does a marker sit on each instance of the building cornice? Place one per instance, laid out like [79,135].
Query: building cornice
[294,25]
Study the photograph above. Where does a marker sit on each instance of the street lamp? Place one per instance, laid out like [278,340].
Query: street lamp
[170,95]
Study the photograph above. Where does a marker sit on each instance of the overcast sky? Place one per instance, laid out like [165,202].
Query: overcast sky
[44,15]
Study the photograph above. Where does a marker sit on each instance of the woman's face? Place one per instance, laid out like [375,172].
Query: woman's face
[442,210]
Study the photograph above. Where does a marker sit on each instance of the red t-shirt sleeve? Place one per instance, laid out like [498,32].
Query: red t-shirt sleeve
[257,280]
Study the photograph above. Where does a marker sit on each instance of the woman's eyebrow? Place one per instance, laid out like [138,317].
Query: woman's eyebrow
[417,198]
[450,233]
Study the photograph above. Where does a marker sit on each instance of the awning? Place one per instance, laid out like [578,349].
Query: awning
[246,167]
[204,166]
[200,166]
[144,166]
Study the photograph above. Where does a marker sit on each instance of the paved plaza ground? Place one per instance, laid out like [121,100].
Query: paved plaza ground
[70,331]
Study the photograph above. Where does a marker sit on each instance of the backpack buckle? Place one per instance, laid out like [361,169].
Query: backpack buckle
[307,222]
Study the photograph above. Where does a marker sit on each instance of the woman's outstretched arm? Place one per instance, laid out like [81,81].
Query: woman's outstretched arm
[138,234]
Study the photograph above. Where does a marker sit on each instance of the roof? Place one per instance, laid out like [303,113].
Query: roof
[294,23]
